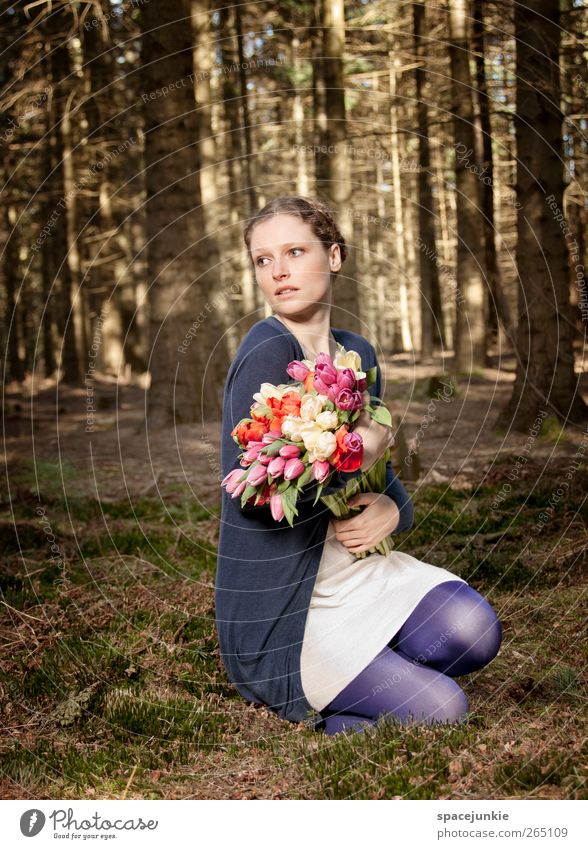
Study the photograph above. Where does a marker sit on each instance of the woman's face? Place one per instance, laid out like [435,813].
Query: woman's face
[287,254]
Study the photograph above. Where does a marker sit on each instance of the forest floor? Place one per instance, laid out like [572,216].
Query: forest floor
[112,684]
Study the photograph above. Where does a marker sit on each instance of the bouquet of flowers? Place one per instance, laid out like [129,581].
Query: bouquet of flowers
[303,431]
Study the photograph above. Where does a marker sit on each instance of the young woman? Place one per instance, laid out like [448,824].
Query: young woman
[305,627]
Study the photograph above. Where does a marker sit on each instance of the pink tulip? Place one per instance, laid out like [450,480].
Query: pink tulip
[257,475]
[276,507]
[276,466]
[346,378]
[289,451]
[353,442]
[332,391]
[320,470]
[264,459]
[325,370]
[231,480]
[297,370]
[362,384]
[320,384]
[348,399]
[251,454]
[239,489]
[293,468]
[271,436]
[324,358]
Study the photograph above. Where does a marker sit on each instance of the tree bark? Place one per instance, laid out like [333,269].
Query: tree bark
[429,275]
[545,378]
[471,296]
[499,309]
[346,306]
[179,287]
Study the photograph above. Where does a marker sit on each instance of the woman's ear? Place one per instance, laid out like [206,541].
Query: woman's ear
[335,257]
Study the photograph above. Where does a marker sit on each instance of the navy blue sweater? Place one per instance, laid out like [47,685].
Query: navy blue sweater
[266,570]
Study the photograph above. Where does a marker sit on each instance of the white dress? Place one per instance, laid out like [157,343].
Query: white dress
[357,606]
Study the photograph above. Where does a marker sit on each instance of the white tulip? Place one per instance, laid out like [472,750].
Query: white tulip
[324,446]
[291,427]
[327,419]
[310,407]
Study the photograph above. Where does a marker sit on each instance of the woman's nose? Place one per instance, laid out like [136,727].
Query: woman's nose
[279,269]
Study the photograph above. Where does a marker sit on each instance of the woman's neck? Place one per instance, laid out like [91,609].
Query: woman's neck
[314,336]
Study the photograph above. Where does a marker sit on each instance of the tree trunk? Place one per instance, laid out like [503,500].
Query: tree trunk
[499,309]
[179,287]
[15,367]
[545,379]
[239,266]
[298,121]
[400,252]
[246,128]
[471,297]
[319,102]
[60,226]
[431,320]
[346,307]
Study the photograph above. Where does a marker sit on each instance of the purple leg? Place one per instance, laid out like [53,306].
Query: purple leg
[452,629]
[391,684]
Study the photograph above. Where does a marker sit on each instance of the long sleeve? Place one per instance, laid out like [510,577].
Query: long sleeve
[261,360]
[394,486]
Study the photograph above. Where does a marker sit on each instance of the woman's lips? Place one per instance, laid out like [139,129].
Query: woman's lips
[286,293]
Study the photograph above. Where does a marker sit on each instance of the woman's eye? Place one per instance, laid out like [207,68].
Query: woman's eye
[258,260]
[297,249]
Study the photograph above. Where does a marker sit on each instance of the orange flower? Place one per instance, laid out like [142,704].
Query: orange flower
[309,382]
[248,431]
[287,405]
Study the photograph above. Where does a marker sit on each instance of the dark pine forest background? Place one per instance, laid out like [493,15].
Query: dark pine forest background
[136,140]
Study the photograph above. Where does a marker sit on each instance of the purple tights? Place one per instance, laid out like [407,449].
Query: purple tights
[452,630]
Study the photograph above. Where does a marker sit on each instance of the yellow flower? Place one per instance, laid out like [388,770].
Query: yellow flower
[349,359]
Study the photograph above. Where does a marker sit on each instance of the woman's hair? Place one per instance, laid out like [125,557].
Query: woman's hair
[314,212]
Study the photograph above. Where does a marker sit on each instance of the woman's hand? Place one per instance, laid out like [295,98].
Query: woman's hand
[376,437]
[379,518]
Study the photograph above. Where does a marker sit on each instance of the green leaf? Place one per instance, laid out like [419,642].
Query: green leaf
[247,493]
[318,493]
[273,448]
[289,504]
[382,416]
[371,375]
[305,477]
